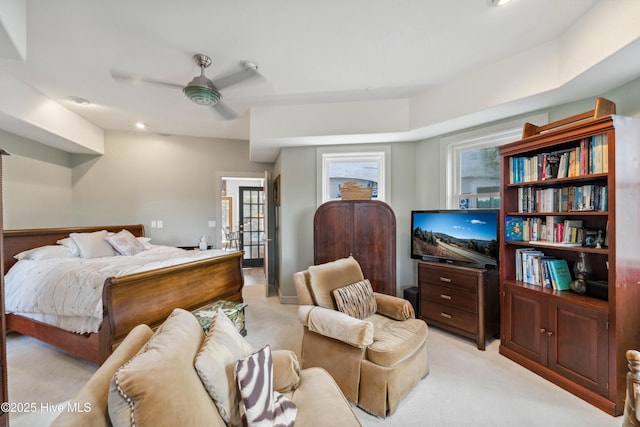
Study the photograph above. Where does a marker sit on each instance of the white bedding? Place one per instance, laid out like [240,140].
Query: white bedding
[67,292]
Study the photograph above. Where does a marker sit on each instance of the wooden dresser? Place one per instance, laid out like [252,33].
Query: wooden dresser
[461,300]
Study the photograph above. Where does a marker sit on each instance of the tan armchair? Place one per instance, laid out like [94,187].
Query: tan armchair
[376,360]
[632,401]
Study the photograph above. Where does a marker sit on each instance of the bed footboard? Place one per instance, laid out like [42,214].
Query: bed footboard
[149,297]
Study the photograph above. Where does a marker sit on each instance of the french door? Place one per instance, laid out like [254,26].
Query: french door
[252,225]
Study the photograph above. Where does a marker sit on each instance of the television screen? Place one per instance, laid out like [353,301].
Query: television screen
[467,237]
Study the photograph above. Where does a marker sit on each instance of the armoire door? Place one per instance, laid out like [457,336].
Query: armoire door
[363,229]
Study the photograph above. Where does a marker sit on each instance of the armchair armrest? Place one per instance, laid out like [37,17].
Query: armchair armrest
[394,307]
[337,325]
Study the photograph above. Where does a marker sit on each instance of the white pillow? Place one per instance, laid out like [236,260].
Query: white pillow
[71,245]
[44,252]
[146,241]
[93,245]
[125,243]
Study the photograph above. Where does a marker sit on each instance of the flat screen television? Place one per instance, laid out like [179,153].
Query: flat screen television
[463,237]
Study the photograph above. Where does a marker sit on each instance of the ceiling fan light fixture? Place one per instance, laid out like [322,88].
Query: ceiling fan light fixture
[201,91]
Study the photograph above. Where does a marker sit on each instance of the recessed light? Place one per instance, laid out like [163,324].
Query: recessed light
[79,100]
[140,125]
[497,2]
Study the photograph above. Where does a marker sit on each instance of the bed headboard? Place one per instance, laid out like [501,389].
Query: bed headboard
[16,241]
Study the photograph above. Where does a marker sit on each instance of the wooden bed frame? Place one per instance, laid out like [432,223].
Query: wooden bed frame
[147,297]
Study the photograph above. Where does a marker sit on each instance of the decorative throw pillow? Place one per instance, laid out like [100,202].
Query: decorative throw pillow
[215,364]
[93,245]
[45,252]
[356,300]
[158,386]
[262,405]
[125,243]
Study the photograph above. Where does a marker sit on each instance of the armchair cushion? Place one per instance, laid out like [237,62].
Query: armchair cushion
[394,307]
[337,325]
[394,341]
[324,278]
[357,299]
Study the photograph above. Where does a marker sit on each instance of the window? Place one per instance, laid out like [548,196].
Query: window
[367,169]
[473,164]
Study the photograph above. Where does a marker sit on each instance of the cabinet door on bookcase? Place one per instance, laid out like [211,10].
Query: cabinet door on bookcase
[578,345]
[526,332]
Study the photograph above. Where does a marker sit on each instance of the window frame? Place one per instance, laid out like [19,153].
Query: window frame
[452,147]
[379,155]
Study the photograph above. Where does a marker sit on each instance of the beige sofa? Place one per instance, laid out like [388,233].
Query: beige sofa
[376,358]
[154,379]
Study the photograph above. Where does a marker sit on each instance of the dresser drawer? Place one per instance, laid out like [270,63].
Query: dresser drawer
[449,316]
[446,277]
[452,297]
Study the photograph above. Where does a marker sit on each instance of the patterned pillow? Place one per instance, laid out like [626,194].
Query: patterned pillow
[262,405]
[125,243]
[356,300]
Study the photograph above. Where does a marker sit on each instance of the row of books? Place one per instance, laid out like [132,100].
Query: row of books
[589,197]
[552,229]
[591,156]
[533,267]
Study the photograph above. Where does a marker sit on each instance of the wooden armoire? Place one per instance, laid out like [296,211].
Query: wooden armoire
[364,229]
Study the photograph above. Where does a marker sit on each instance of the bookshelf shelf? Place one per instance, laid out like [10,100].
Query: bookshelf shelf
[577,341]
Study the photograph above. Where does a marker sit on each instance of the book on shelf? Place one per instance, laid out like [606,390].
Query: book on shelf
[589,156]
[560,274]
[513,228]
[570,230]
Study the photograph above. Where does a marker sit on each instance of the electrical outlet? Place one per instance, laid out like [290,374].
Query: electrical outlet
[212,224]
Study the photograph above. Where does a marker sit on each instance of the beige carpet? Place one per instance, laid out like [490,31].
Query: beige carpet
[466,387]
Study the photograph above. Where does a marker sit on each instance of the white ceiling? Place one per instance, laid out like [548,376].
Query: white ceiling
[332,71]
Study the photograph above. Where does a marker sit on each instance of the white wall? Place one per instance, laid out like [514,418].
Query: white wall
[37,184]
[144,177]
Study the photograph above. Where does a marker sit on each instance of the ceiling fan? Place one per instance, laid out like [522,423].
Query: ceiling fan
[202,90]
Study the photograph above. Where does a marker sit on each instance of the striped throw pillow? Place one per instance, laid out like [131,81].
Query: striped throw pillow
[356,300]
[262,405]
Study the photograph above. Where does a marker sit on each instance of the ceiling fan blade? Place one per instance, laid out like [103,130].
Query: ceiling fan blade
[128,78]
[224,111]
[235,78]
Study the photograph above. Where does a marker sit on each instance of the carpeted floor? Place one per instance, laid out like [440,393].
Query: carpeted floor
[466,387]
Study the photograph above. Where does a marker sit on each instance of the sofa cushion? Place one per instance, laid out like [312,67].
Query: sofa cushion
[394,341]
[356,300]
[216,362]
[324,278]
[286,370]
[320,401]
[159,386]
[262,405]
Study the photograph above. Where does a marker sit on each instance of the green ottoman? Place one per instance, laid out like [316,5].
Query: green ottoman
[233,310]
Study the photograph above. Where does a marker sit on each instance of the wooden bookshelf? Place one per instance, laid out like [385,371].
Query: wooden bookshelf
[578,341]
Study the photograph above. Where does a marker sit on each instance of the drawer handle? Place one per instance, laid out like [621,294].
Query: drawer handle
[443,296]
[447,315]
[445,279]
